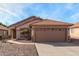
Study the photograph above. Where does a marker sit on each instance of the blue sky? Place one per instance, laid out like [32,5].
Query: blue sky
[12,13]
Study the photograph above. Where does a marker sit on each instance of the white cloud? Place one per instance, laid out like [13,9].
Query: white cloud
[12,12]
[75,16]
[15,9]
[9,12]
[69,6]
[56,12]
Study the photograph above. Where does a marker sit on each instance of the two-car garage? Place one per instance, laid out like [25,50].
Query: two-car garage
[49,32]
[50,35]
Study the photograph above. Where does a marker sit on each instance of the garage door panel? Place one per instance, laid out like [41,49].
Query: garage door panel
[50,35]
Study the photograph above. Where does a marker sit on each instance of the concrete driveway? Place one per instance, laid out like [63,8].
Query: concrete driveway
[57,49]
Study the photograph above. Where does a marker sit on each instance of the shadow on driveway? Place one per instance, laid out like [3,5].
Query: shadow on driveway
[61,44]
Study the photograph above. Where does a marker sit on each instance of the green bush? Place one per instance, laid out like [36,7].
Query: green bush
[25,31]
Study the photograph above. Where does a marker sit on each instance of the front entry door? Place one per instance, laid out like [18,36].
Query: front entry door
[14,33]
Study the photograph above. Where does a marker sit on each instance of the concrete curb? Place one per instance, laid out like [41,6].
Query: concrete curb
[15,42]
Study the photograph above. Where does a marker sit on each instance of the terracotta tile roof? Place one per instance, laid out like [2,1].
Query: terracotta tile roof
[25,20]
[76,25]
[51,22]
[3,27]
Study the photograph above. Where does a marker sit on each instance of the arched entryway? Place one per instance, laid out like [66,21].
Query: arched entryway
[25,34]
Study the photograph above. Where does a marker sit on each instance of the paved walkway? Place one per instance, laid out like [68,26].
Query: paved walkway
[16,42]
[57,49]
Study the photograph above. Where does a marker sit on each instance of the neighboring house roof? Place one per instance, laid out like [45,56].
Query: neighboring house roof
[29,19]
[51,22]
[3,27]
[76,25]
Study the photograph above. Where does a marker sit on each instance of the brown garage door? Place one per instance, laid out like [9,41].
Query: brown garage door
[50,35]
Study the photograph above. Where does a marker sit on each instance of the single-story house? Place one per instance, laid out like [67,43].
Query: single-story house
[38,29]
[3,30]
[74,31]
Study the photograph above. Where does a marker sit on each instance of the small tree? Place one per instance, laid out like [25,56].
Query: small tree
[25,31]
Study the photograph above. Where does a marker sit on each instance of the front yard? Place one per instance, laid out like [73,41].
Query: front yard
[17,48]
[9,49]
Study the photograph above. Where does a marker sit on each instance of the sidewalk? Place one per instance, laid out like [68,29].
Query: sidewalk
[16,42]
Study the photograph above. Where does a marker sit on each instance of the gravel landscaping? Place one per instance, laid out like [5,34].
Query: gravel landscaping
[8,49]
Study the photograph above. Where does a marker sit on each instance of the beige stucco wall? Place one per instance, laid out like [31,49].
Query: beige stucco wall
[74,33]
[23,26]
[9,31]
[18,30]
